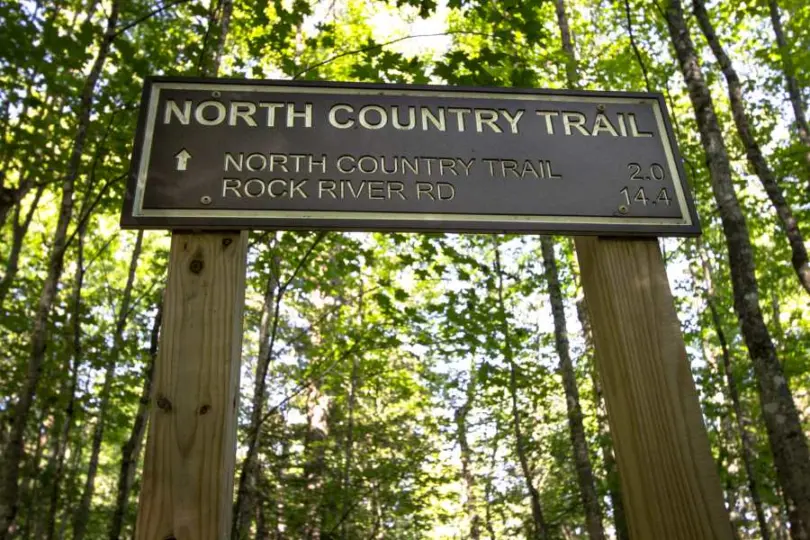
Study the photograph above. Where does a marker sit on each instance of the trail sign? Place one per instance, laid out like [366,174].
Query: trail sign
[229,154]
[215,154]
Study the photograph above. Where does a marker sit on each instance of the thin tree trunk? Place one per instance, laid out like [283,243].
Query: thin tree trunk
[747,444]
[19,230]
[576,429]
[279,508]
[488,488]
[787,510]
[725,434]
[777,318]
[261,525]
[345,530]
[262,532]
[736,517]
[540,530]
[13,452]
[12,196]
[315,468]
[582,460]
[754,152]
[131,450]
[247,477]
[792,85]
[4,125]
[376,511]
[785,434]
[223,25]
[57,460]
[354,383]
[71,493]
[571,65]
[8,198]
[471,503]
[32,518]
[82,514]
[268,329]
[605,441]
[780,519]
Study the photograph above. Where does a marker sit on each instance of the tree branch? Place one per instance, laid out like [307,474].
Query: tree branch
[301,262]
[149,15]
[381,45]
[87,214]
[212,19]
[635,45]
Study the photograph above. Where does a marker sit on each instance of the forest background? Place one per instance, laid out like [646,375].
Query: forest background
[399,385]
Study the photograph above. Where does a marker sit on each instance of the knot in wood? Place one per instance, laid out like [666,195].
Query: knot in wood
[164,404]
[227,242]
[196,266]
[204,409]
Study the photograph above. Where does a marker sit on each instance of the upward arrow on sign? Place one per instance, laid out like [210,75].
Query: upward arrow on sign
[182,158]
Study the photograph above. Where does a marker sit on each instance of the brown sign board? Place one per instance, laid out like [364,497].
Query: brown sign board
[243,154]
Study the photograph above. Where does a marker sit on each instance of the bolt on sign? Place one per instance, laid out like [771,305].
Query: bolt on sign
[230,154]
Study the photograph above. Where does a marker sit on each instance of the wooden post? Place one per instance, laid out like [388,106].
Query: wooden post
[187,491]
[670,487]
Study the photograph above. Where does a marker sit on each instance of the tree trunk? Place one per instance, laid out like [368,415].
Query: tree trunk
[31,478]
[279,508]
[777,318]
[725,435]
[582,461]
[571,67]
[262,532]
[7,200]
[576,429]
[12,196]
[19,230]
[131,450]
[261,525]
[345,531]
[471,503]
[57,460]
[753,151]
[488,488]
[778,522]
[737,518]
[268,327]
[792,85]
[4,125]
[540,530]
[785,434]
[780,519]
[315,468]
[605,441]
[82,515]
[13,452]
[377,513]
[747,444]
[73,473]
[223,26]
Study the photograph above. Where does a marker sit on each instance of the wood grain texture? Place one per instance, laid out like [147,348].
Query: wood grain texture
[670,486]
[187,491]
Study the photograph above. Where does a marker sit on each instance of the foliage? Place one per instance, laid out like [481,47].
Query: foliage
[386,337]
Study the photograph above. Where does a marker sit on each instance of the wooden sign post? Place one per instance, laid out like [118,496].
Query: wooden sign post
[187,490]
[670,486]
[217,154]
